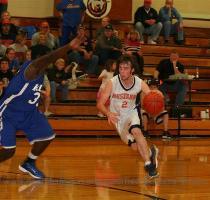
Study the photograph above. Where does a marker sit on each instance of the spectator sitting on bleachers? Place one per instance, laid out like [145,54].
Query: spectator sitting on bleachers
[105,77]
[51,40]
[147,21]
[40,49]
[84,55]
[14,63]
[108,45]
[169,67]
[8,36]
[20,47]
[58,80]
[104,22]
[6,16]
[5,74]
[28,55]
[167,14]
[132,47]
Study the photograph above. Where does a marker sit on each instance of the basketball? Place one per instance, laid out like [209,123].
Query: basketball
[153,103]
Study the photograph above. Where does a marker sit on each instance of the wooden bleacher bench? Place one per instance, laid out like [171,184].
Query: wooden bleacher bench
[187,61]
[95,126]
[182,50]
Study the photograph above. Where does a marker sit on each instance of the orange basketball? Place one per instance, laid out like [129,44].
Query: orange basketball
[153,103]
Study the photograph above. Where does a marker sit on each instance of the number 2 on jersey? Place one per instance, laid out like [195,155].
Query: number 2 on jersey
[124,104]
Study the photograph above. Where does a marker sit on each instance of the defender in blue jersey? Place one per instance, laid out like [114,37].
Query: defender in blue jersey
[19,110]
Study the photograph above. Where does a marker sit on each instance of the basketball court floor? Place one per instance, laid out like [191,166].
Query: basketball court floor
[106,169]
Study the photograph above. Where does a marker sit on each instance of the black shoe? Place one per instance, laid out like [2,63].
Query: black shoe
[151,170]
[146,134]
[166,135]
[152,167]
[166,41]
[180,42]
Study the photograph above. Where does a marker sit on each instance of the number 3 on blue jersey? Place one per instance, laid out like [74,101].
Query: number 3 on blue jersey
[36,98]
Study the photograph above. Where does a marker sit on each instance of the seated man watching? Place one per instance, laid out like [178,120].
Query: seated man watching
[108,46]
[40,49]
[104,22]
[8,35]
[169,67]
[146,21]
[14,63]
[51,41]
[84,55]
[167,15]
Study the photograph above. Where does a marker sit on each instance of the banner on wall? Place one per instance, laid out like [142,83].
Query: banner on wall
[98,9]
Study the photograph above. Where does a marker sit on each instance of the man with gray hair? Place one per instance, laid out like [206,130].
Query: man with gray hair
[167,15]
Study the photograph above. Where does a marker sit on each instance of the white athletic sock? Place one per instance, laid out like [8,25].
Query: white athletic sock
[32,156]
[147,163]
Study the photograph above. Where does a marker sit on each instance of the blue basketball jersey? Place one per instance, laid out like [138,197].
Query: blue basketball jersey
[22,95]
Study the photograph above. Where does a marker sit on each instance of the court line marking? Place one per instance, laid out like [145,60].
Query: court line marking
[73,182]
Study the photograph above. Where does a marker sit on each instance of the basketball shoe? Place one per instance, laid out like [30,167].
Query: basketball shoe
[151,169]
[31,169]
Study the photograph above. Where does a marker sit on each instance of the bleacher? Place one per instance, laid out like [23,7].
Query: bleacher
[79,115]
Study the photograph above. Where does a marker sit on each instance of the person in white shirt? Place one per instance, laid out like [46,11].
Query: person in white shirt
[106,75]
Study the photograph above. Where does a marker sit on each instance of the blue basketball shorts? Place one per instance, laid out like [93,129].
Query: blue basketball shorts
[33,124]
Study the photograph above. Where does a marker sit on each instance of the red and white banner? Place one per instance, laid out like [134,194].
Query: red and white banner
[98,9]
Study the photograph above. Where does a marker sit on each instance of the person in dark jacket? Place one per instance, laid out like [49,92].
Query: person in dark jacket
[84,54]
[6,74]
[58,80]
[8,34]
[168,67]
[41,48]
[108,45]
[147,21]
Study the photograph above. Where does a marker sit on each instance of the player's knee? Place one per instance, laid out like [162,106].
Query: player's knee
[43,143]
[136,132]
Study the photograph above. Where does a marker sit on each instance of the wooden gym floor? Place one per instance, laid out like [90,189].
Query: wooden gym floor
[106,169]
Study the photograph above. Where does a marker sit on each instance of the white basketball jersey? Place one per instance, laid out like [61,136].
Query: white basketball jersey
[122,99]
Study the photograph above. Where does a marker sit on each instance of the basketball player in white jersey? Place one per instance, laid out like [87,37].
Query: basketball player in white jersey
[122,90]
